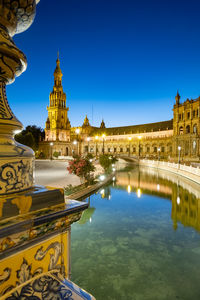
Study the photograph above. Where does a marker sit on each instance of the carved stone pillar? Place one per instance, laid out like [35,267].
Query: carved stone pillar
[16,160]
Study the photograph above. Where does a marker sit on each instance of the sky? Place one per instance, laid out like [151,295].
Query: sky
[122,60]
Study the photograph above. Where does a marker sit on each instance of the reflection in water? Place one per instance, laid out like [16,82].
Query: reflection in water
[185,195]
[144,242]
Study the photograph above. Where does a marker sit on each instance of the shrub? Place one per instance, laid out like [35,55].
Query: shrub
[106,161]
[56,154]
[82,167]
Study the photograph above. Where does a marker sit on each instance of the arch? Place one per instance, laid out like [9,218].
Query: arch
[188,129]
[181,130]
[195,128]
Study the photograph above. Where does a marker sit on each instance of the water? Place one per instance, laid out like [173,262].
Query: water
[140,239]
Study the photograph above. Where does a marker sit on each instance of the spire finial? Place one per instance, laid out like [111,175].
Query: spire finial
[58,54]
[177,98]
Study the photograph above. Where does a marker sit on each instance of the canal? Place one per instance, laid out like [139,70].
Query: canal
[140,238]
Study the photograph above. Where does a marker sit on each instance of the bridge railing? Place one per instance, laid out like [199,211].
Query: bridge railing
[168,165]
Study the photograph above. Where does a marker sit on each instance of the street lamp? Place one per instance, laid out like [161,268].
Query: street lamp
[88,140]
[158,154]
[96,140]
[103,136]
[51,144]
[139,138]
[179,154]
[129,150]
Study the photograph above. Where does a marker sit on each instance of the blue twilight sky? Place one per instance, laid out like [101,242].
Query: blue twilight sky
[123,60]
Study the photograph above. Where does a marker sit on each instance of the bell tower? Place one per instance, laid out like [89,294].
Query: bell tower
[57,125]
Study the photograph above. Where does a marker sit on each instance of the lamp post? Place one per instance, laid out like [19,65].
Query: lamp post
[96,140]
[51,145]
[76,143]
[158,154]
[139,138]
[129,149]
[88,140]
[103,136]
[77,133]
[179,154]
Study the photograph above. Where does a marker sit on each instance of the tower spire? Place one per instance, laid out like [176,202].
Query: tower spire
[177,98]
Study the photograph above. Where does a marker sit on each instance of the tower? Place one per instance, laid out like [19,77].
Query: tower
[57,125]
[177,98]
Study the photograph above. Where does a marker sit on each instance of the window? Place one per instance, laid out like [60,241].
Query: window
[108,149]
[121,149]
[193,113]
[127,149]
[188,129]
[155,149]
[162,149]
[181,130]
[188,115]
[115,149]
[134,150]
[148,149]
[195,128]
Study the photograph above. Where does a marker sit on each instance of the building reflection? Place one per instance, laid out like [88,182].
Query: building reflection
[184,194]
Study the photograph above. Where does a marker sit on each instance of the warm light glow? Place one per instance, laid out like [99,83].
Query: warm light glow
[129,138]
[77,130]
[17,131]
[178,200]
[90,160]
[114,178]
[113,169]
[139,193]
[139,137]
[103,136]
[88,138]
[179,148]
[158,149]
[158,187]
[102,177]
[96,137]
[75,142]
[129,188]
[51,144]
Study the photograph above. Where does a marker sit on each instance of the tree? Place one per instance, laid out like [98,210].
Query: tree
[106,161]
[24,137]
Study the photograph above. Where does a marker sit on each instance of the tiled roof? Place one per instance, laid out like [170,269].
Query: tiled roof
[150,127]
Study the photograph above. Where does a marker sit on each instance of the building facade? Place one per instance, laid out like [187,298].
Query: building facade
[172,140]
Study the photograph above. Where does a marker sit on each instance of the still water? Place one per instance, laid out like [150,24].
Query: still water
[140,239]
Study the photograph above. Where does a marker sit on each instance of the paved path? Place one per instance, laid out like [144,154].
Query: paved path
[54,173]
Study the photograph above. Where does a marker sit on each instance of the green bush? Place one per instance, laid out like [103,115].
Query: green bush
[106,161]
[56,154]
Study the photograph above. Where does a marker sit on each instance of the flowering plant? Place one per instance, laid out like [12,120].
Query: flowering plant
[82,167]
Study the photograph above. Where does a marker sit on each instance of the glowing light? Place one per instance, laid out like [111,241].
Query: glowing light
[129,188]
[75,142]
[102,191]
[51,144]
[90,220]
[139,193]
[102,177]
[178,200]
[109,197]
[139,137]
[158,149]
[17,131]
[113,165]
[77,130]
[158,187]
[90,160]
[113,169]
[179,148]
[96,137]
[88,139]
[129,138]
[103,136]
[114,178]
